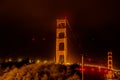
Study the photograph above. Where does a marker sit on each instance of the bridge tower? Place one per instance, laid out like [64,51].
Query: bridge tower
[110,62]
[110,74]
[61,41]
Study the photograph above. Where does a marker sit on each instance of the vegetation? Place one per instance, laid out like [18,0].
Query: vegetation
[41,72]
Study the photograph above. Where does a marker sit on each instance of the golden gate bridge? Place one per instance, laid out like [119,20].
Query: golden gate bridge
[62,53]
[61,56]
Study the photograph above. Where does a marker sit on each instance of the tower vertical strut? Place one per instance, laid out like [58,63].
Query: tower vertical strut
[61,41]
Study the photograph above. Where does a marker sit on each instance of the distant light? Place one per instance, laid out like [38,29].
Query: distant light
[45,61]
[77,68]
[10,59]
[19,59]
[80,69]
[37,61]
[67,63]
[99,70]
[89,59]
[105,71]
[30,61]
[92,69]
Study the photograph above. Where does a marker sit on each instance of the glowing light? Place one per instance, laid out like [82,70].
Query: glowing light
[67,63]
[89,59]
[30,61]
[80,69]
[45,61]
[99,70]
[38,61]
[10,59]
[19,59]
[92,69]
[105,71]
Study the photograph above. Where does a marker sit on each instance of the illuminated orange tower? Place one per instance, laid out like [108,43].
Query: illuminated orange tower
[110,74]
[61,41]
[110,62]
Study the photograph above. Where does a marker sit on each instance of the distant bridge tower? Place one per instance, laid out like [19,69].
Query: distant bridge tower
[61,41]
[110,62]
[110,74]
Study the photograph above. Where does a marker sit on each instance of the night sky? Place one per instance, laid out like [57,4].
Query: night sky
[27,27]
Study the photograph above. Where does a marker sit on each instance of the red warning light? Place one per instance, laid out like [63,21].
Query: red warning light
[99,70]
[105,71]
[80,69]
[76,68]
[89,59]
[92,69]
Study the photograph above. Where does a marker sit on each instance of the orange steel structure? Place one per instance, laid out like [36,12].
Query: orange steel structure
[61,41]
[110,62]
[110,74]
